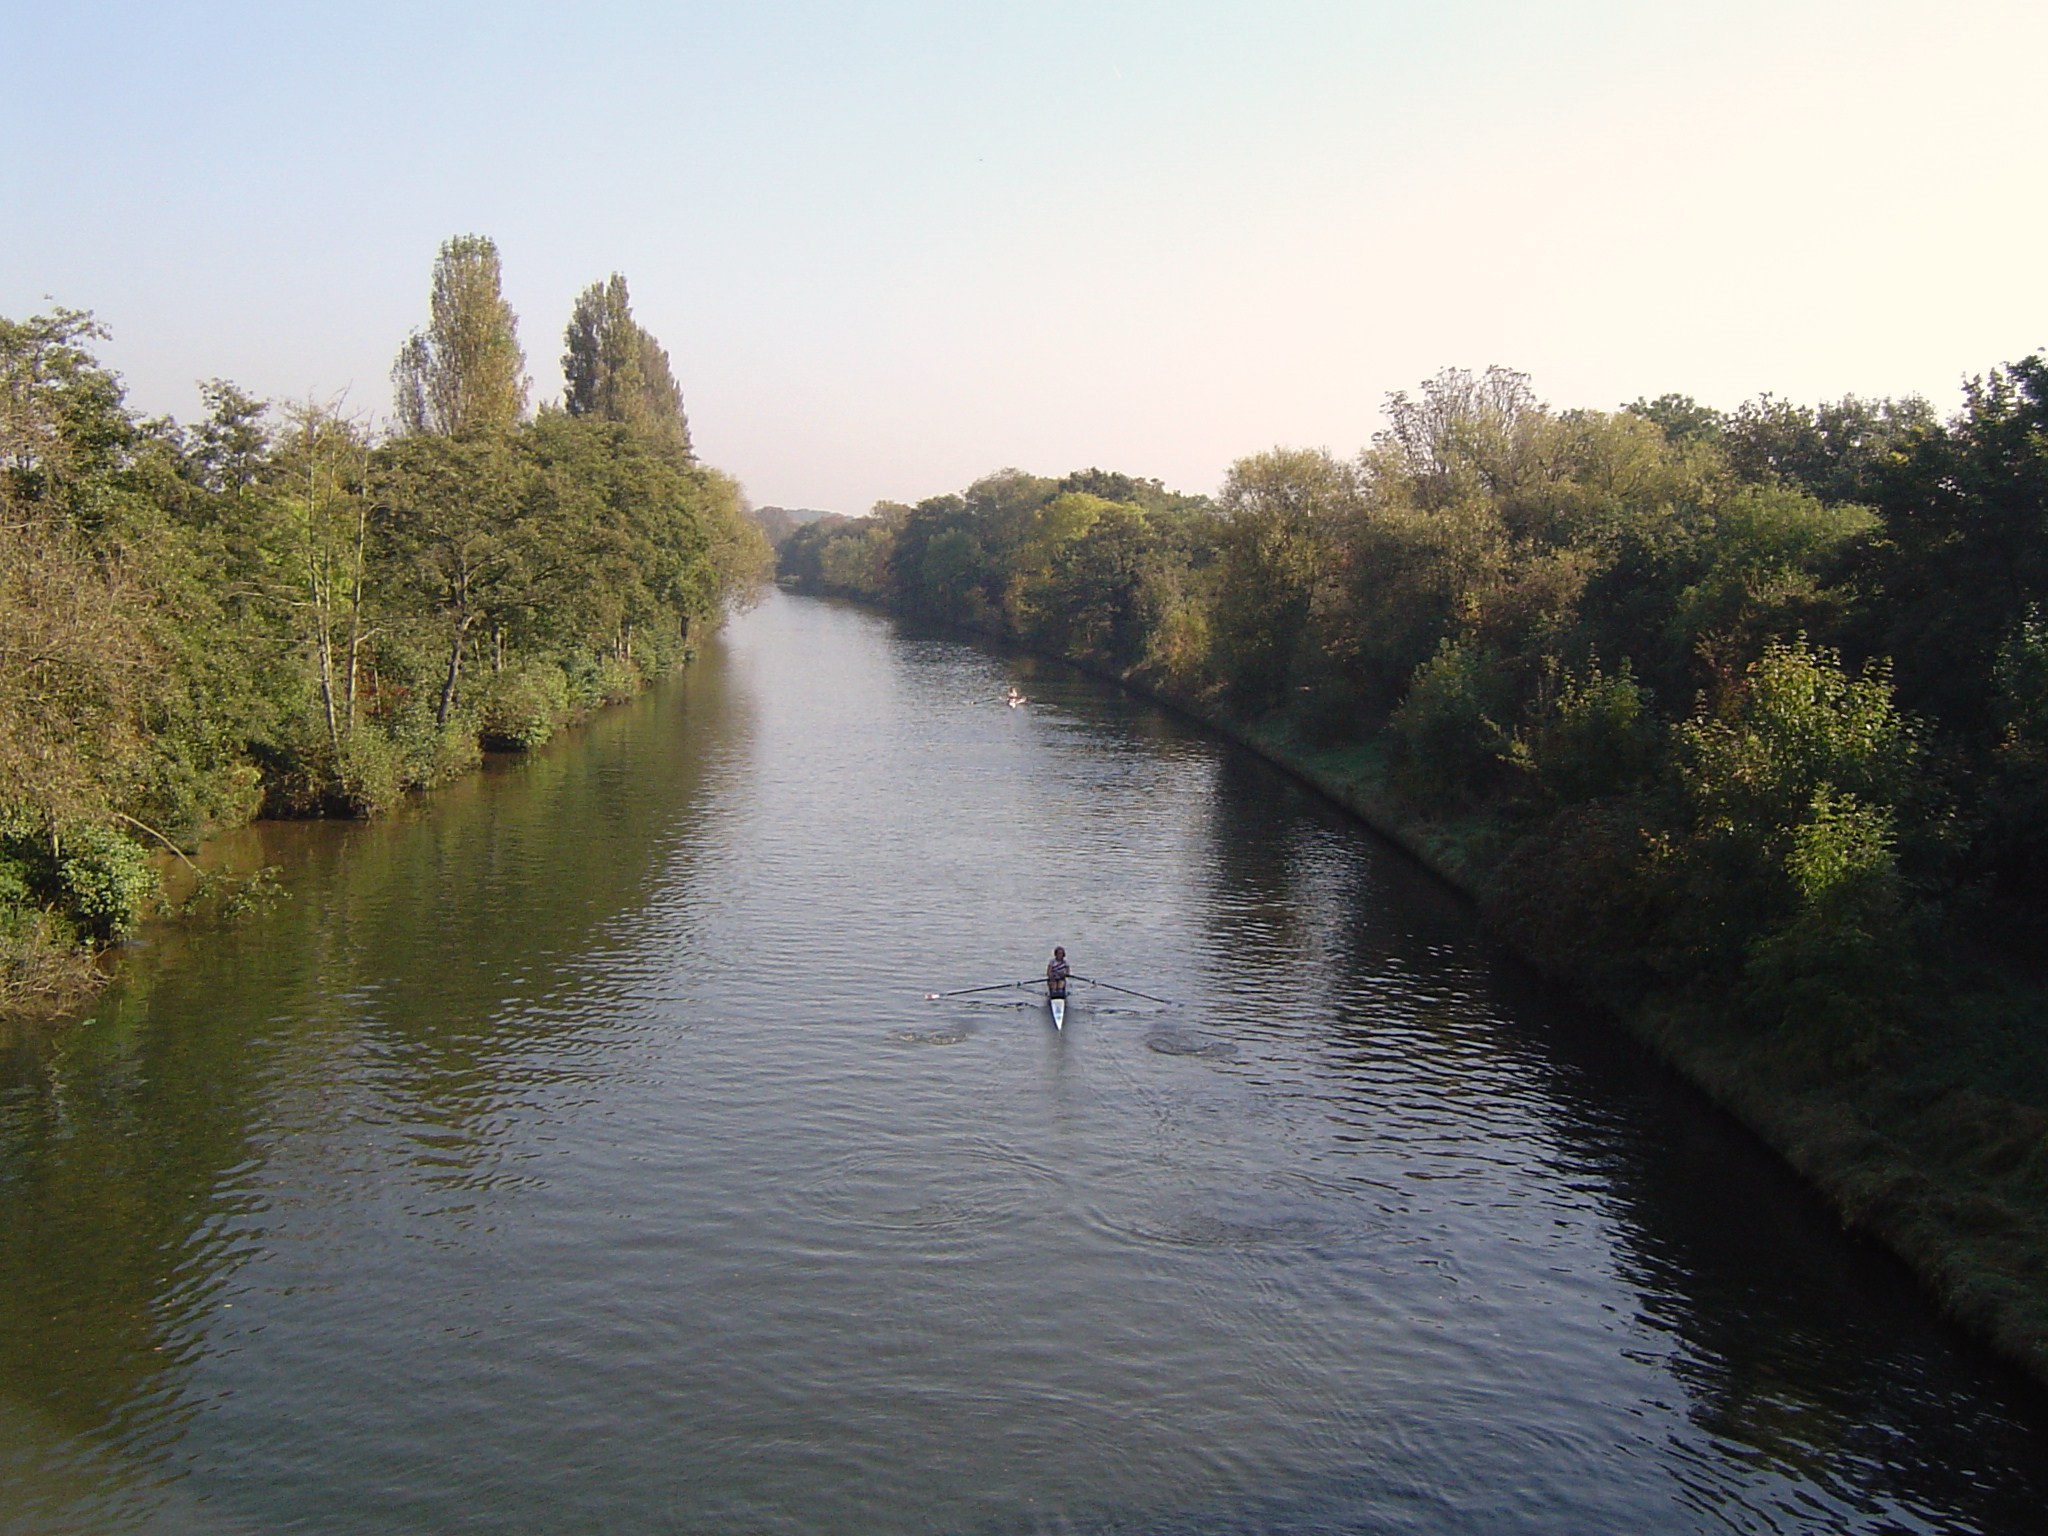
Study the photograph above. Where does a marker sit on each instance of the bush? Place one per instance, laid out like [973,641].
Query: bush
[2015,799]
[42,965]
[522,708]
[1179,647]
[372,773]
[1598,738]
[16,895]
[104,880]
[1838,964]
[89,878]
[441,753]
[1798,722]
[1446,730]
[1790,862]
[605,679]
[302,776]
[613,682]
[1583,895]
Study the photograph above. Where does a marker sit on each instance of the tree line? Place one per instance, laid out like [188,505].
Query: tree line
[282,610]
[1749,706]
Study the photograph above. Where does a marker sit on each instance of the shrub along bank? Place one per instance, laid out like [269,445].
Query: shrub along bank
[281,612]
[1738,721]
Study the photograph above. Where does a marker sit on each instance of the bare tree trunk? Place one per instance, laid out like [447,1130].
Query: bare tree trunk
[355,609]
[454,673]
[327,701]
[320,593]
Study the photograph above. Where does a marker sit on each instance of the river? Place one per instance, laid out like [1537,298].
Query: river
[577,1151]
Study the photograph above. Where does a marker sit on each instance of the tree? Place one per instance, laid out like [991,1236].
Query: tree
[264,612]
[465,373]
[937,563]
[1835,451]
[1680,418]
[1040,563]
[229,448]
[76,658]
[1284,512]
[836,553]
[627,544]
[453,529]
[322,464]
[1965,551]
[617,371]
[62,418]
[2015,797]
[1464,433]
[80,666]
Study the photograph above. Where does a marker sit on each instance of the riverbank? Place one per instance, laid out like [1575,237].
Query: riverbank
[1938,1150]
[49,979]
[1928,1152]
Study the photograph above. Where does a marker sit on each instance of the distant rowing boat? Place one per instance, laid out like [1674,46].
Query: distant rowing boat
[1058,1005]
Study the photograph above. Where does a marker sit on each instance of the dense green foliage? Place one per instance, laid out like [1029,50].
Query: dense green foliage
[1749,705]
[274,611]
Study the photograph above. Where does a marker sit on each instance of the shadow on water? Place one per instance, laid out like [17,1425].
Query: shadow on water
[1797,1342]
[1802,1350]
[132,1146]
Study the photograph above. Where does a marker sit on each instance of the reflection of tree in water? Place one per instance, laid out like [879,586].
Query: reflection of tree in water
[128,1145]
[1292,899]
[1801,1350]
[106,1176]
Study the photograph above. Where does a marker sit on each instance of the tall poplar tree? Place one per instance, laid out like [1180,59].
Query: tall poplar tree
[616,371]
[465,373]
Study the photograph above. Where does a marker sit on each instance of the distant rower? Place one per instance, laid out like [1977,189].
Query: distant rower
[1015,697]
[1056,973]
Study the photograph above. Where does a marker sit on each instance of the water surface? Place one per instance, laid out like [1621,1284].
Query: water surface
[577,1152]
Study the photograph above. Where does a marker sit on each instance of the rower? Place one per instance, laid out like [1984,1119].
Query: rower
[1056,973]
[1015,698]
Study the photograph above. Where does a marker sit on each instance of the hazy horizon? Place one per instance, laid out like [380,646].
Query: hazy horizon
[894,247]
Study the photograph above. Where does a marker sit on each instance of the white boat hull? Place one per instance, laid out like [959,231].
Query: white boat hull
[1059,1013]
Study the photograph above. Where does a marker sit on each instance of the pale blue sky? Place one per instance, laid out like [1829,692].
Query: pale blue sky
[893,246]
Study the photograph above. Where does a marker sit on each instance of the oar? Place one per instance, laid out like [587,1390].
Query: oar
[994,986]
[1131,990]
